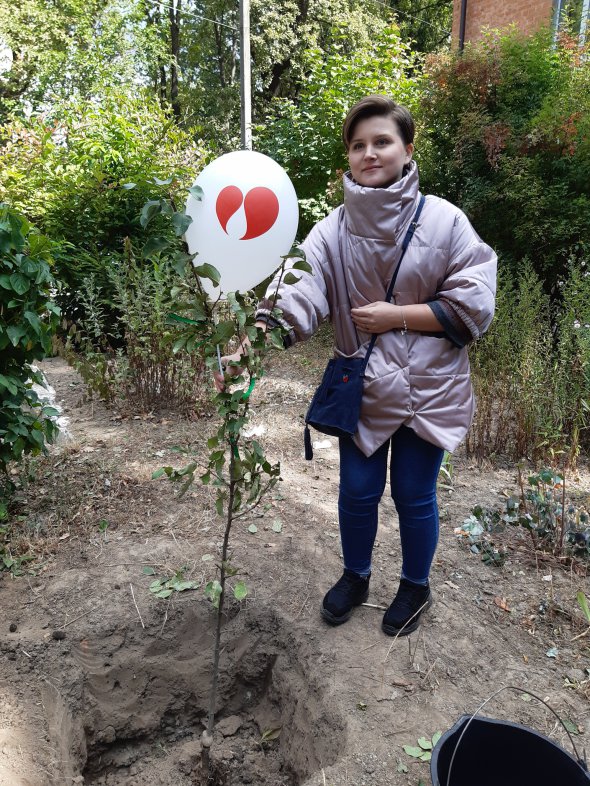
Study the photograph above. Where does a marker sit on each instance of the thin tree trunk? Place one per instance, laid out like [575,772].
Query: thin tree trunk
[174,16]
[207,736]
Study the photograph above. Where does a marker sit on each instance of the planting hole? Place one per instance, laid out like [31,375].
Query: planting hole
[140,705]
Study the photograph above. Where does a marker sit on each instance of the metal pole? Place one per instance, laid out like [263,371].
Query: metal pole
[245,76]
[556,20]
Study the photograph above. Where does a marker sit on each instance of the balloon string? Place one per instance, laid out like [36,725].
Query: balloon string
[219,360]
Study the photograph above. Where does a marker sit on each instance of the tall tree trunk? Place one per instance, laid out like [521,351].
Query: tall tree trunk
[220,60]
[159,77]
[174,14]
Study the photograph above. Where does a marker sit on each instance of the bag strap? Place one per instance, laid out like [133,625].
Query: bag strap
[409,235]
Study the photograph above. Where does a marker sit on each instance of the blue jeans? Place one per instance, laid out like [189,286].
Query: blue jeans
[414,469]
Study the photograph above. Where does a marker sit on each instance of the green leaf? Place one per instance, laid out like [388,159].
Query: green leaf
[571,726]
[253,529]
[277,525]
[411,750]
[19,283]
[291,279]
[15,333]
[196,192]
[165,593]
[149,571]
[179,344]
[401,767]
[213,592]
[436,737]
[271,734]
[304,266]
[426,756]
[425,744]
[151,209]
[583,604]
[207,557]
[208,271]
[8,383]
[240,590]
[153,246]
[181,320]
[33,321]
[156,585]
[181,223]
[295,253]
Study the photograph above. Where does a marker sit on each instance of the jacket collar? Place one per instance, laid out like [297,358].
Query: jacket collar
[381,213]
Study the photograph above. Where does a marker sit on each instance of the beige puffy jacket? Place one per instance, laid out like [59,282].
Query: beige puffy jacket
[416,379]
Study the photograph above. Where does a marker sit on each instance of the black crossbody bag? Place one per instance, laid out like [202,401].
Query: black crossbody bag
[336,405]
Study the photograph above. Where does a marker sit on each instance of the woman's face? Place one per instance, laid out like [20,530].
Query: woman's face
[377,153]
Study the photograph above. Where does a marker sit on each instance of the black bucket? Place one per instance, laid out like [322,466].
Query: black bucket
[500,753]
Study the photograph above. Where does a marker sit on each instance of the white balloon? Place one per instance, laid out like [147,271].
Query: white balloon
[247,219]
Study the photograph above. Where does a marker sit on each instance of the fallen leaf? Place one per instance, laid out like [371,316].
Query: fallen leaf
[570,726]
[501,603]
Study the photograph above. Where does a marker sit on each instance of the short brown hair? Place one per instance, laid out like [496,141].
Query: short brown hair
[370,106]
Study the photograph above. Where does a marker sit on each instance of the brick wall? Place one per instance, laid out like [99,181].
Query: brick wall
[528,15]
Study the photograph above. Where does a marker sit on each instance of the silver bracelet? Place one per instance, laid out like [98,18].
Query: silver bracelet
[405,327]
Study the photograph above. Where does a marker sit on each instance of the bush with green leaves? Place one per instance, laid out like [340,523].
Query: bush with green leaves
[531,371]
[28,318]
[505,134]
[304,135]
[555,523]
[82,172]
[152,280]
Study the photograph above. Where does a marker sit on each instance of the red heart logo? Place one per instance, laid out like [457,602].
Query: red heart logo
[229,200]
[261,207]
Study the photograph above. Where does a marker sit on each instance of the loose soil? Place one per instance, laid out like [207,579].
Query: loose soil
[102,683]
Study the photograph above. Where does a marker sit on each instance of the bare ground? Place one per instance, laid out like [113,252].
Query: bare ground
[102,683]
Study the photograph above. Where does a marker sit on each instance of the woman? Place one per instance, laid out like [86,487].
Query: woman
[417,398]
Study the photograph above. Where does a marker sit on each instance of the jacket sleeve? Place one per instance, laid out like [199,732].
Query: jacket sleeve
[304,305]
[465,301]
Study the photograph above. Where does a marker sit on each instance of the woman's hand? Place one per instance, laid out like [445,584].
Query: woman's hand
[232,371]
[377,317]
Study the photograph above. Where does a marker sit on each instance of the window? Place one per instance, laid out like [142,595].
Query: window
[572,15]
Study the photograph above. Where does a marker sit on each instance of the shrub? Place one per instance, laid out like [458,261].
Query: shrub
[28,318]
[152,280]
[69,169]
[531,372]
[305,136]
[504,134]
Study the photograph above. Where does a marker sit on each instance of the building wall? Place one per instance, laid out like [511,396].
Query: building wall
[528,15]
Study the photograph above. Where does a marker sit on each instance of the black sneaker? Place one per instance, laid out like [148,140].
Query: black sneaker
[403,616]
[349,591]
